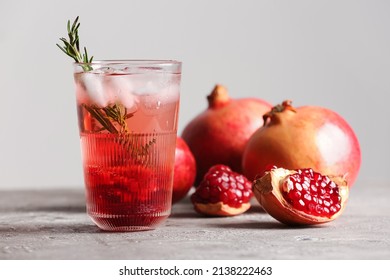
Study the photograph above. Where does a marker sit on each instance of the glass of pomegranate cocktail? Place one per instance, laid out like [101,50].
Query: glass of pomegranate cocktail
[127,112]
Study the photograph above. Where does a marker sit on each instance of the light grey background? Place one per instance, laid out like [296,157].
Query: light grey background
[334,54]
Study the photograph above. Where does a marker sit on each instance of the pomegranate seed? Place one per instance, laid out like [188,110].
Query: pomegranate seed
[269,167]
[214,194]
[225,185]
[204,193]
[318,209]
[231,194]
[294,194]
[298,186]
[307,197]
[225,178]
[326,210]
[246,195]
[306,185]
[301,204]
[311,207]
[336,199]
[332,185]
[333,209]
[224,198]
[312,193]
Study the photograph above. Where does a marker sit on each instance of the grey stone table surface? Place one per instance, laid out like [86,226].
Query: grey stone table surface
[52,224]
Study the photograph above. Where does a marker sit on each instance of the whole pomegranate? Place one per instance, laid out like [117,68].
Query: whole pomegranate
[219,134]
[184,172]
[307,136]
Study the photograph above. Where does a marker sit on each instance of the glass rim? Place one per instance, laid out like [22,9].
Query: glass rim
[135,62]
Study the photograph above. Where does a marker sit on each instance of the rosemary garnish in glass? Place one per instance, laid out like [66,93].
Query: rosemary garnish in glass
[111,116]
[72,47]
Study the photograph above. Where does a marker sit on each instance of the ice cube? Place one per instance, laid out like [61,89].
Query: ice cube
[149,83]
[170,94]
[148,88]
[157,103]
[81,93]
[94,88]
[150,104]
[121,89]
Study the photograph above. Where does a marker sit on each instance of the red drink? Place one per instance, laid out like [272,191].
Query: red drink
[128,125]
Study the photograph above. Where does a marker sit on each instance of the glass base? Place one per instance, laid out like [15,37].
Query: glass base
[127,222]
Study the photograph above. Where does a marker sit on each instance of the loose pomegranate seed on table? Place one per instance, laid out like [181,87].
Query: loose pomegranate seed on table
[312,193]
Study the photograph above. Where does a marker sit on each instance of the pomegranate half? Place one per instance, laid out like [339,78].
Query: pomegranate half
[301,197]
[219,134]
[300,137]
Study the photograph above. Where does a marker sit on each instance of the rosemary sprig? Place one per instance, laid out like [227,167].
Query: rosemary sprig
[99,115]
[111,114]
[117,114]
[107,115]
[71,47]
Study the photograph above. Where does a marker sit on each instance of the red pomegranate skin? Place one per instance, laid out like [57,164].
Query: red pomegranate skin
[219,134]
[184,171]
[311,136]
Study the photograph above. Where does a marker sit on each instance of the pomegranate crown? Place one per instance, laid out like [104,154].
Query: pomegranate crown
[218,97]
[286,105]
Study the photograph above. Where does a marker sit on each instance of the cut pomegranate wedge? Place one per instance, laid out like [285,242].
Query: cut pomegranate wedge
[301,197]
[222,192]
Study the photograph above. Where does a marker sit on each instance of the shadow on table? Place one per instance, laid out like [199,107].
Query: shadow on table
[184,215]
[185,209]
[253,225]
[264,225]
